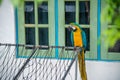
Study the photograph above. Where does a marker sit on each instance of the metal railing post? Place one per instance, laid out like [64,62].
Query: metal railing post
[22,68]
[76,66]
[78,49]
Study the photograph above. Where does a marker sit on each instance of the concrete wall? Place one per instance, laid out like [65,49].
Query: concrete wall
[101,70]
[96,70]
[7,24]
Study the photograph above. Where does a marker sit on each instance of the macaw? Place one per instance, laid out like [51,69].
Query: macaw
[78,39]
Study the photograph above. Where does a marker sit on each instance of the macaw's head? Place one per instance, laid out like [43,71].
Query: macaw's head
[73,27]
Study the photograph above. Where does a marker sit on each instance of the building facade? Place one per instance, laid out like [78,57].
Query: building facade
[46,24]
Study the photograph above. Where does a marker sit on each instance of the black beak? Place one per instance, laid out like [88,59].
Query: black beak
[70,28]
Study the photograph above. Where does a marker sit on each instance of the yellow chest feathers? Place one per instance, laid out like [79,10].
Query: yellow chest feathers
[77,36]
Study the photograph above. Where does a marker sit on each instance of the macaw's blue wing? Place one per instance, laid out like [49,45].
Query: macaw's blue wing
[72,40]
[84,39]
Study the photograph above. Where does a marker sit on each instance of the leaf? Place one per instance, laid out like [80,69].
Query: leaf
[103,15]
[39,0]
[0,2]
[111,15]
[16,3]
[117,20]
[110,36]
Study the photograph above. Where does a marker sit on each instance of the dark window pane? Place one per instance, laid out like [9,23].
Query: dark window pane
[43,13]
[29,13]
[84,12]
[69,11]
[43,36]
[116,47]
[30,36]
[67,38]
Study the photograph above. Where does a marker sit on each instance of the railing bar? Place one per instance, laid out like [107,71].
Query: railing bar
[38,46]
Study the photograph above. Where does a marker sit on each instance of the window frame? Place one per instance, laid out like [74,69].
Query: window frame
[92,54]
[21,25]
[105,55]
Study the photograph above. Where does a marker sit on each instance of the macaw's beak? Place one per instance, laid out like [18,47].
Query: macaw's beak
[71,28]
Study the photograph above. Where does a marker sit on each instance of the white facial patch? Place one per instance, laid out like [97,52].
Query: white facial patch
[73,28]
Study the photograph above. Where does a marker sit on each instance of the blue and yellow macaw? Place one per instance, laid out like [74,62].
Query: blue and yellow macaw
[78,38]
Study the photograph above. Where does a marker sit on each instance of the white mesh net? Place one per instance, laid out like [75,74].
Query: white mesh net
[21,62]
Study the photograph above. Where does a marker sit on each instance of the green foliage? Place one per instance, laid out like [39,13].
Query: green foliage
[0,2]
[39,1]
[111,15]
[17,3]
[111,35]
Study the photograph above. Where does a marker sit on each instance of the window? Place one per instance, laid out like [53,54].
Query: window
[70,16]
[43,13]
[29,13]
[43,36]
[67,38]
[36,24]
[30,36]
[69,11]
[42,19]
[111,53]
[84,13]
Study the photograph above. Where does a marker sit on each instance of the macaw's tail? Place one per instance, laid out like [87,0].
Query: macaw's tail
[82,68]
